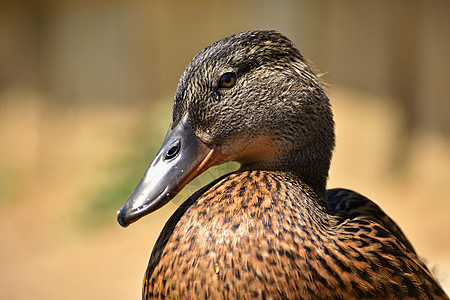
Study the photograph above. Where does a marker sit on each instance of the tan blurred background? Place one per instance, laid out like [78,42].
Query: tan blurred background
[86,89]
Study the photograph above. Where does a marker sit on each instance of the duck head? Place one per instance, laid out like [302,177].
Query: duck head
[250,98]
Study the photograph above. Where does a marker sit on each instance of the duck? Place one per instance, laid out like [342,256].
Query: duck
[270,229]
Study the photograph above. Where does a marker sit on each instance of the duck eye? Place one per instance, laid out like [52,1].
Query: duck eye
[227,80]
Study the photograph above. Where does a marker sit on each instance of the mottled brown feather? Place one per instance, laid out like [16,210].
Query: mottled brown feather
[260,234]
[271,230]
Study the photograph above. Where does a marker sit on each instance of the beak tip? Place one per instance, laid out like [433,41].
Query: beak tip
[121,218]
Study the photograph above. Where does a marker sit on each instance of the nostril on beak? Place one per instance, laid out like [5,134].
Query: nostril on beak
[173,151]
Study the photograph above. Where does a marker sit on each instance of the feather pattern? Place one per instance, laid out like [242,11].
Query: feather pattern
[266,235]
[270,230]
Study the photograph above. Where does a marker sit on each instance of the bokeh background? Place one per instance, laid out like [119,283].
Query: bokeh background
[86,90]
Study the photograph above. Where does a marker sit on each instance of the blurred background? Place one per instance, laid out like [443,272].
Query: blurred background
[86,91]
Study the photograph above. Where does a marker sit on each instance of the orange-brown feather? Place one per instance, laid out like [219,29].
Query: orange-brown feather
[265,234]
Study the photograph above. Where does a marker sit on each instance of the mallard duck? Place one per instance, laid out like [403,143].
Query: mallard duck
[270,229]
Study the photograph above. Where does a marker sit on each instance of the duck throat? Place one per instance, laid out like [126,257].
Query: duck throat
[309,164]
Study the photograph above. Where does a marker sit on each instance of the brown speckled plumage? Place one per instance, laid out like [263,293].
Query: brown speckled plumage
[270,230]
[258,234]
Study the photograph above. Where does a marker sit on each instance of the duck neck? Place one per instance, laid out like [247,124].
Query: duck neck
[310,165]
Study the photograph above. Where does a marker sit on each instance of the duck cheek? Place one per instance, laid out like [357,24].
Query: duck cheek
[252,148]
[205,136]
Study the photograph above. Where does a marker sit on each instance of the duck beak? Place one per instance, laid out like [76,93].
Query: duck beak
[181,158]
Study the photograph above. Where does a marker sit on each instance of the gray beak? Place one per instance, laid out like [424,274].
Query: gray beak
[181,158]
